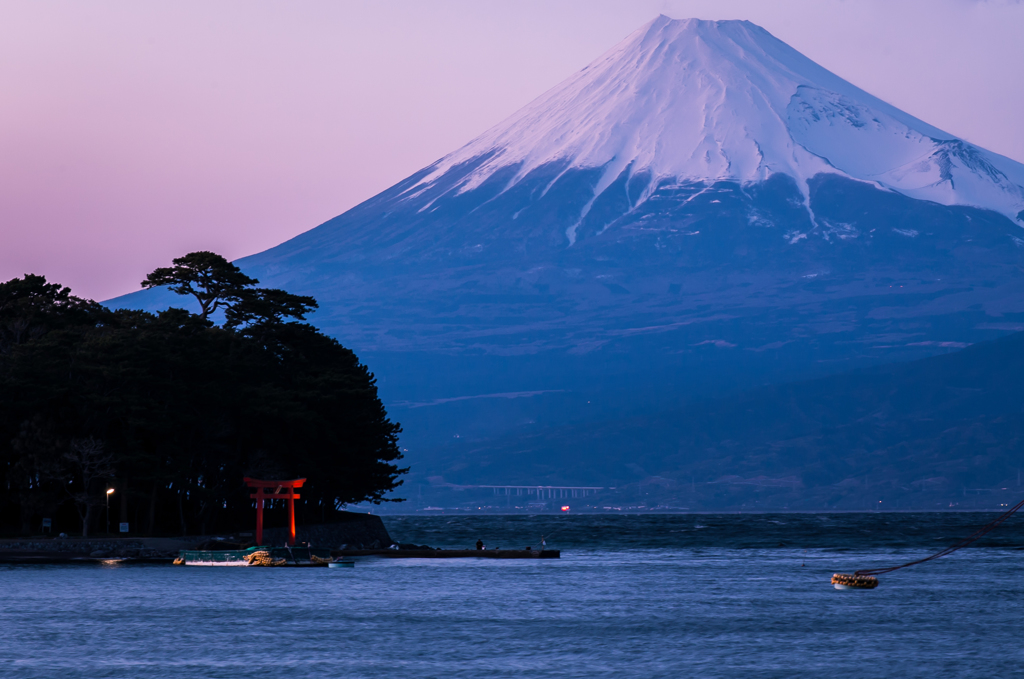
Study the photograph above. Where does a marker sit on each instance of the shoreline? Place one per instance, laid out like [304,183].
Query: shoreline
[729,512]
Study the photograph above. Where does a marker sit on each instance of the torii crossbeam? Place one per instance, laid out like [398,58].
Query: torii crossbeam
[261,494]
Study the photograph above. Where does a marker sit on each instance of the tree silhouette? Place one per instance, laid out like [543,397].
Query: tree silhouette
[263,307]
[211,279]
[184,408]
[30,307]
[87,463]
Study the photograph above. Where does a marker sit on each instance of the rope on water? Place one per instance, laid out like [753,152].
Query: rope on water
[976,535]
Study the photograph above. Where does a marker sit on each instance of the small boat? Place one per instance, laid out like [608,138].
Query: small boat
[341,564]
[223,557]
[255,556]
[844,581]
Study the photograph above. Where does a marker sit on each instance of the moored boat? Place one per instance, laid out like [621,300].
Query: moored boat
[255,556]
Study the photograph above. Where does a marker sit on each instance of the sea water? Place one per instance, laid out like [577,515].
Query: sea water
[631,596]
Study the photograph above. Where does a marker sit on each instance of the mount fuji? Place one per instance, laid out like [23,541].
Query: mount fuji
[702,208]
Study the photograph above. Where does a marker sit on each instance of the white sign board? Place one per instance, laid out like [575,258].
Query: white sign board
[124,527]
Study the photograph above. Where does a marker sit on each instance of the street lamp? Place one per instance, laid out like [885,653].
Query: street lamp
[110,491]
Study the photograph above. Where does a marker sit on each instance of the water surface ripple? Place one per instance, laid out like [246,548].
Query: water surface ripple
[650,605]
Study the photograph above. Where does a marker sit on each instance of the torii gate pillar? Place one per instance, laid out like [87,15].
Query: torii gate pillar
[261,494]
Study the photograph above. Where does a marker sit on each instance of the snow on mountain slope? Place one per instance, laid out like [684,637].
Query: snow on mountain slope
[705,101]
[701,209]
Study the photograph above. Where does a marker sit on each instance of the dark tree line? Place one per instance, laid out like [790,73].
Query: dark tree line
[172,410]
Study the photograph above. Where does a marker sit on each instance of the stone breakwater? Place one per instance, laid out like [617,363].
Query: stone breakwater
[349,531]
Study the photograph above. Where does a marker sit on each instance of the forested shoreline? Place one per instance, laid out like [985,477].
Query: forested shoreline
[171,410]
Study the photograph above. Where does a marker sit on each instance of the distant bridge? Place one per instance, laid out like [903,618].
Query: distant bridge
[542,492]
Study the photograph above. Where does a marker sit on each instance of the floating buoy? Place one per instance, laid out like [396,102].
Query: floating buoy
[845,581]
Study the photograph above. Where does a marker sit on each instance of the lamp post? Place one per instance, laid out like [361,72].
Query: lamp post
[110,491]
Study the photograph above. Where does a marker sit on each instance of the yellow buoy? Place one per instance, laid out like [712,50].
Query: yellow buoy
[845,581]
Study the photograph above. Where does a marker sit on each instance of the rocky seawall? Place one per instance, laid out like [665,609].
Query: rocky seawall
[349,531]
[96,548]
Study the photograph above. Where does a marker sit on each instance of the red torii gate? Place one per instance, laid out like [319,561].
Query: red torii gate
[261,494]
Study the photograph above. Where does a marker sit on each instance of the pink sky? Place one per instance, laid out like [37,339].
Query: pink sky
[131,133]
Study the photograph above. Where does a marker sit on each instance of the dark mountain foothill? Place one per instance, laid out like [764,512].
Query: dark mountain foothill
[938,433]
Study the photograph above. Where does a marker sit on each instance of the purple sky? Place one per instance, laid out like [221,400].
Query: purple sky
[131,133]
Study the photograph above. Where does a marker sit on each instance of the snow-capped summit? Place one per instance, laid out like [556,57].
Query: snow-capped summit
[702,207]
[691,100]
